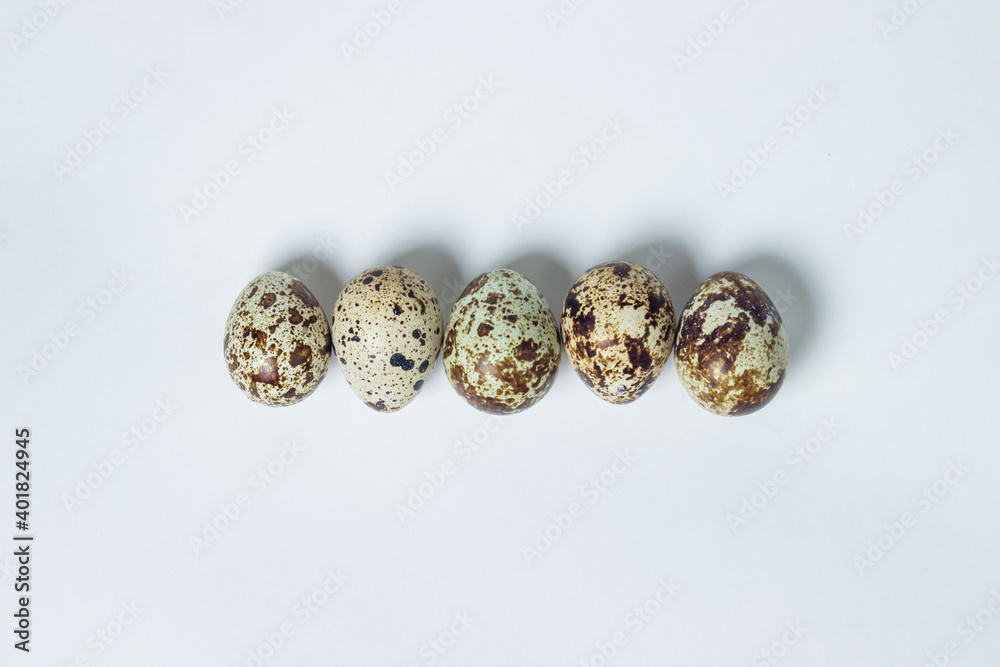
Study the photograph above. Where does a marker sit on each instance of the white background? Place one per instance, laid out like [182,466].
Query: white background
[319,190]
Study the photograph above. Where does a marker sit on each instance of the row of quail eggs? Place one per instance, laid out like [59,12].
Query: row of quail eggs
[501,344]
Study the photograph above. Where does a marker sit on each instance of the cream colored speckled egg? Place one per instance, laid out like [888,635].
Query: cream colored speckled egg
[277,342]
[387,330]
[501,347]
[732,350]
[618,329]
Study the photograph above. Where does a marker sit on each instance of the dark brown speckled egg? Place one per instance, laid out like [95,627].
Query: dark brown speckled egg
[277,342]
[732,350]
[618,329]
[501,344]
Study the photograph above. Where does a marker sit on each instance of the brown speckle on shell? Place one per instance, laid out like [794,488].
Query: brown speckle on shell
[732,350]
[618,329]
[274,354]
[301,291]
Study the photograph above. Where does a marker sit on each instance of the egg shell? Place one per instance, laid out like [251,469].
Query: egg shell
[277,343]
[387,331]
[732,350]
[501,346]
[618,329]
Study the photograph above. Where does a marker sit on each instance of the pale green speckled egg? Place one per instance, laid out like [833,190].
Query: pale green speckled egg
[501,346]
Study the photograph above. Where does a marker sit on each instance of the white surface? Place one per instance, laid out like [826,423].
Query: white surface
[653,192]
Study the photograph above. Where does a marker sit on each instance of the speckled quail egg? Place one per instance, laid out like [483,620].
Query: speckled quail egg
[277,342]
[732,351]
[501,345]
[387,330]
[618,329]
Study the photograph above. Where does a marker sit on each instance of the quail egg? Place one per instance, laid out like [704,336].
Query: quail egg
[732,350]
[277,343]
[501,346]
[387,330]
[618,329]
